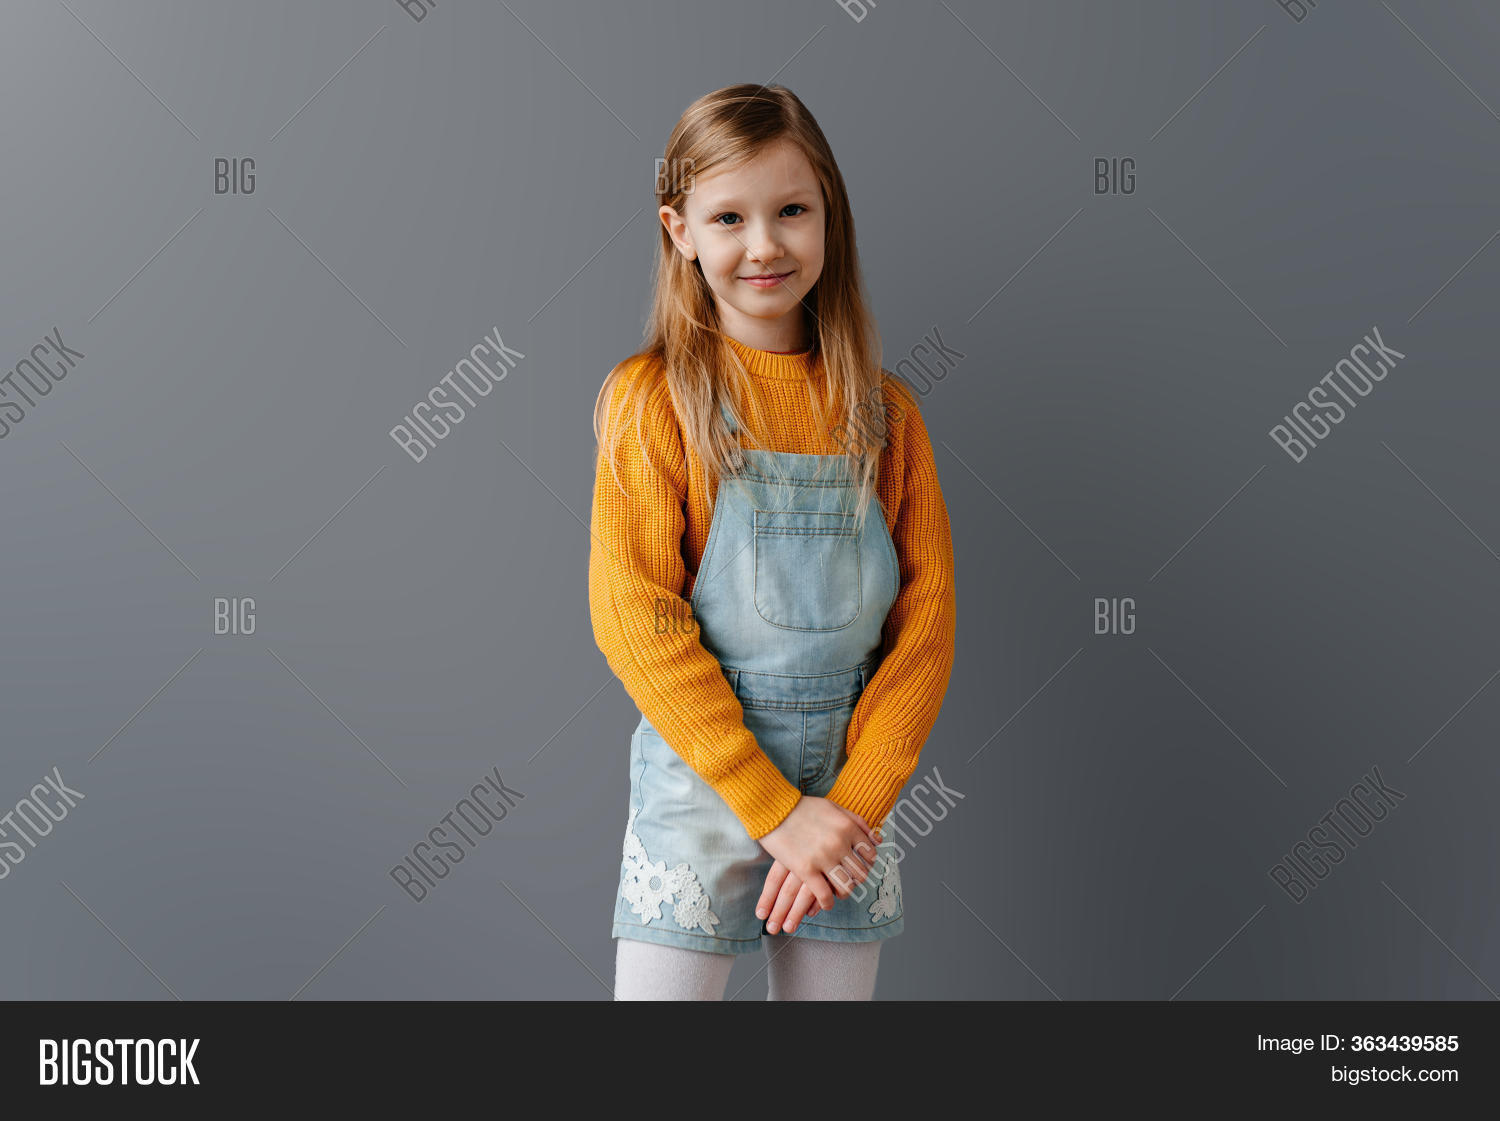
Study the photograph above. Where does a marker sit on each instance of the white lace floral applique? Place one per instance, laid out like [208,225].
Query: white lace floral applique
[647,885]
[887,903]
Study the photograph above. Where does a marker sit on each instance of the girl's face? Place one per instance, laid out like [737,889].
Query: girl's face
[762,219]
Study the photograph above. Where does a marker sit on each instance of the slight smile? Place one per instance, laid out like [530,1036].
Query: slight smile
[767,281]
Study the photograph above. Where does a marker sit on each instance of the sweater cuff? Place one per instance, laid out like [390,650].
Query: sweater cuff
[757,793]
[869,785]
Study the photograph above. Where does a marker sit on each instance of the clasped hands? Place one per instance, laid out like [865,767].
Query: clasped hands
[820,851]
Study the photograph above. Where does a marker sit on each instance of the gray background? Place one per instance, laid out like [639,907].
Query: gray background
[491,167]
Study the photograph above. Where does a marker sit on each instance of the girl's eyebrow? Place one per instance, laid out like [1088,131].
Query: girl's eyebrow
[731,201]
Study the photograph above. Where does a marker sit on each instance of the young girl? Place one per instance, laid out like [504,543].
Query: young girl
[788,654]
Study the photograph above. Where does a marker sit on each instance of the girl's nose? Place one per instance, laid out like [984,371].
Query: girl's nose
[764,248]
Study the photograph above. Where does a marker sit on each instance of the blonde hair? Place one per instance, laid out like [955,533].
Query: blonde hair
[683,343]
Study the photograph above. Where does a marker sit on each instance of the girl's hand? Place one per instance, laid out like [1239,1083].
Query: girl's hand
[825,848]
[785,899]
[817,841]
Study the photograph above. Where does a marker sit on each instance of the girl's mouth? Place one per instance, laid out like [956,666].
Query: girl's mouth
[767,281]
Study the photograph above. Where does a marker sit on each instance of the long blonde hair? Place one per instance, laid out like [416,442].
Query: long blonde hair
[683,342]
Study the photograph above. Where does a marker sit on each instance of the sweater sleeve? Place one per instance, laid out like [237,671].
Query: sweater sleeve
[900,704]
[643,624]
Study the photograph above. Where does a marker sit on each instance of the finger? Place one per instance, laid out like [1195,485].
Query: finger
[784,900]
[868,832]
[857,869]
[805,900]
[768,894]
[867,853]
[822,891]
[843,879]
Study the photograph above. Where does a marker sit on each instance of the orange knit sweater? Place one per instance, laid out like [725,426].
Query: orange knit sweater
[644,559]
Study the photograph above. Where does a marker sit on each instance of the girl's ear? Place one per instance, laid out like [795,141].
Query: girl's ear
[678,231]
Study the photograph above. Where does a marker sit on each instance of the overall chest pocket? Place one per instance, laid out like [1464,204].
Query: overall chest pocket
[807,571]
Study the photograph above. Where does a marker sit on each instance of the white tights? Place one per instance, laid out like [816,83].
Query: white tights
[799,969]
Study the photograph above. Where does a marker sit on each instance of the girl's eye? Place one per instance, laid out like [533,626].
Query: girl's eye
[715,220]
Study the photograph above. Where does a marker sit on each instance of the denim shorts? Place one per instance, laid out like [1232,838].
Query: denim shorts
[691,876]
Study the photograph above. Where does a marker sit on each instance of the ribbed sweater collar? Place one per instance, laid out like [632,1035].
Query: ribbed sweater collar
[779,367]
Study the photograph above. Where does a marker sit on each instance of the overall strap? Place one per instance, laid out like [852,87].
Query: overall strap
[728,417]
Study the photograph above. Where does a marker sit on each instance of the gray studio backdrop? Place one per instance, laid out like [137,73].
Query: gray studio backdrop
[1272,775]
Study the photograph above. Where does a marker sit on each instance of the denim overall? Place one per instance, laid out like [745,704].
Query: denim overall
[790,598]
